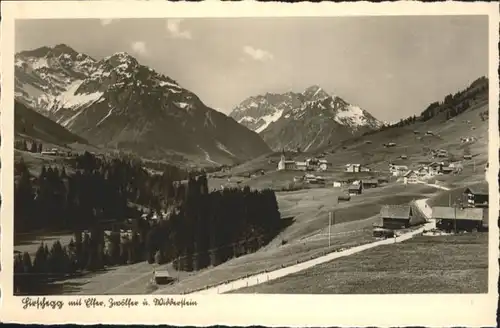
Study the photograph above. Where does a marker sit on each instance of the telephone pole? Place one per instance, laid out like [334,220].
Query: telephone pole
[329,229]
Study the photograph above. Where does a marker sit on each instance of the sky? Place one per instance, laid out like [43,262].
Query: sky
[391,66]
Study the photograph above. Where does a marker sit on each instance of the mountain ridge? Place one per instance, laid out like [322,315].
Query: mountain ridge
[305,120]
[117,102]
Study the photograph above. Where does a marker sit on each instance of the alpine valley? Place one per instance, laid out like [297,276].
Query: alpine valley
[117,103]
[303,121]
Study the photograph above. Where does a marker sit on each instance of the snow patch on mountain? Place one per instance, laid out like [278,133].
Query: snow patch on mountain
[268,119]
[247,119]
[224,149]
[105,117]
[352,116]
[72,100]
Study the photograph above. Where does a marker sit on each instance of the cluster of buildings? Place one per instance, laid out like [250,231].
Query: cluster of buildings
[471,214]
[424,171]
[310,164]
[354,168]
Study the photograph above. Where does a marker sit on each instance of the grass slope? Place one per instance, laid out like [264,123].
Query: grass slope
[440,264]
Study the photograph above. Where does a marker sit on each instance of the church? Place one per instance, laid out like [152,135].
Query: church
[285,164]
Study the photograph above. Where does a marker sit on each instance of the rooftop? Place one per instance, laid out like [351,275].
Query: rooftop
[395,211]
[479,189]
[445,212]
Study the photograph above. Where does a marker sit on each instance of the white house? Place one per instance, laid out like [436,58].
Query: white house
[323,164]
[353,168]
[301,166]
[411,177]
[398,170]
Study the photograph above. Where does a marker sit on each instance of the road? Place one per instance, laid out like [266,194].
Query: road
[268,276]
[264,277]
[434,185]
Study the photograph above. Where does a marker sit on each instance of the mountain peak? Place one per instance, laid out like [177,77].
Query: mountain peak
[121,59]
[315,92]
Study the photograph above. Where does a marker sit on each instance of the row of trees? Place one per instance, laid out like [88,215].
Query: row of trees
[95,190]
[451,106]
[33,146]
[201,228]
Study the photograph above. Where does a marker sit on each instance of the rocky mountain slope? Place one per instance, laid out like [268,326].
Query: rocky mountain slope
[119,103]
[304,121]
[30,124]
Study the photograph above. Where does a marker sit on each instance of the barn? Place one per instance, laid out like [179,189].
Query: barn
[477,196]
[399,216]
[356,189]
[370,183]
[460,219]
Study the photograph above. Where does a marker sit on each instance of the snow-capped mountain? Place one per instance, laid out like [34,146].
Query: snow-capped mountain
[305,121]
[117,102]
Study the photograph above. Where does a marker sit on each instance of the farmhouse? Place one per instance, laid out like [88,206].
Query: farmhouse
[353,168]
[435,168]
[323,164]
[398,170]
[356,189]
[467,156]
[337,184]
[399,216]
[411,177]
[370,183]
[312,164]
[460,219]
[447,170]
[301,166]
[477,196]
[423,171]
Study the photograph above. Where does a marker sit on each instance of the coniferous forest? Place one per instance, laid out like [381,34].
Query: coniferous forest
[99,203]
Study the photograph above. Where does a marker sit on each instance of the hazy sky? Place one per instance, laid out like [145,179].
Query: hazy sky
[391,66]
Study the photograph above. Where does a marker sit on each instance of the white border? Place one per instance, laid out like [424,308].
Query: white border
[298,310]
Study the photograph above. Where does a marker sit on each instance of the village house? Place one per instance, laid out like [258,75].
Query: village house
[370,183]
[365,169]
[301,166]
[312,164]
[285,164]
[423,171]
[352,168]
[355,189]
[323,164]
[410,177]
[477,196]
[399,217]
[337,184]
[460,219]
[435,168]
[447,170]
[398,170]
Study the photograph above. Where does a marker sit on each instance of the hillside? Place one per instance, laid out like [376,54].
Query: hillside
[305,121]
[30,124]
[118,103]
[410,139]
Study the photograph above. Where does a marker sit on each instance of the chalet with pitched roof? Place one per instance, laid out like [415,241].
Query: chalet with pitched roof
[460,219]
[399,216]
[477,195]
